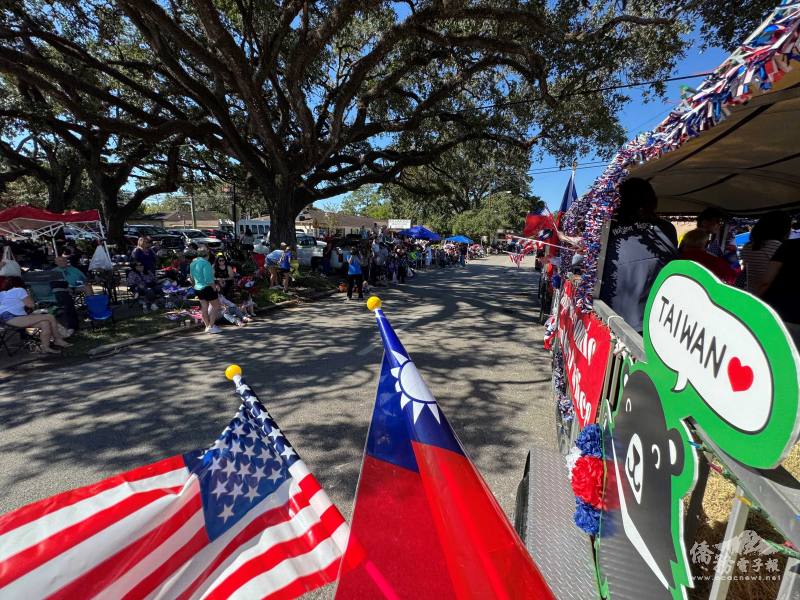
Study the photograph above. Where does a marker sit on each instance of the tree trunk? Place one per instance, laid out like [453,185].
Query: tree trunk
[282,217]
[115,215]
[55,195]
[115,230]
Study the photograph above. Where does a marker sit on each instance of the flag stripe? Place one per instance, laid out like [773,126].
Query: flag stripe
[325,554]
[34,556]
[299,586]
[259,530]
[179,548]
[276,551]
[93,493]
[58,522]
[151,583]
[182,582]
[67,557]
[125,562]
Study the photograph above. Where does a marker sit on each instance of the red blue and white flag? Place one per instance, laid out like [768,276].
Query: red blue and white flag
[241,519]
[425,524]
[516,257]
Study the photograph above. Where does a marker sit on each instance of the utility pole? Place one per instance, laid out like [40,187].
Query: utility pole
[191,199]
[235,228]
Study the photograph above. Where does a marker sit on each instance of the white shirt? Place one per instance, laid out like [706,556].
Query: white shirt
[13,301]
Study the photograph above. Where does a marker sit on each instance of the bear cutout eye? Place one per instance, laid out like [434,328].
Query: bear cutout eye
[627,405]
[634,466]
[655,450]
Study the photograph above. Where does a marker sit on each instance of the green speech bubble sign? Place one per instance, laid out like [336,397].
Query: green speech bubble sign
[727,360]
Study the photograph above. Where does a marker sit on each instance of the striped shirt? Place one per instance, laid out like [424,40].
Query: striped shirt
[755,262]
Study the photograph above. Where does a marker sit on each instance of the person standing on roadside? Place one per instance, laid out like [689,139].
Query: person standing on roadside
[462,255]
[354,276]
[285,265]
[202,274]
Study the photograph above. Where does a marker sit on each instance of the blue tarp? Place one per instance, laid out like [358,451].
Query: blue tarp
[418,232]
[459,239]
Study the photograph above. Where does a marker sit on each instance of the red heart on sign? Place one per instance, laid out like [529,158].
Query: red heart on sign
[740,376]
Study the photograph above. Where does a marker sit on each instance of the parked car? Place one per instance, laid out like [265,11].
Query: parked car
[219,234]
[309,252]
[200,237]
[164,238]
[74,234]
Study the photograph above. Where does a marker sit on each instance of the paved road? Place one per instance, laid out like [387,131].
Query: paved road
[470,331]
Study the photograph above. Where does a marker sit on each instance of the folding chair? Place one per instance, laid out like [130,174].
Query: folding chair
[42,293]
[99,309]
[29,341]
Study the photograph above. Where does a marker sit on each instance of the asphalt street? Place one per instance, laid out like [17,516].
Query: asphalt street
[471,332]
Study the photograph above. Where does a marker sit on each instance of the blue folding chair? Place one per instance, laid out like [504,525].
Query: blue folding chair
[99,309]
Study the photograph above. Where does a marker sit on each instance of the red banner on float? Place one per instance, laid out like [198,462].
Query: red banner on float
[585,342]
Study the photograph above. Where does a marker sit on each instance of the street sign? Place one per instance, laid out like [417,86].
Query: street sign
[397,224]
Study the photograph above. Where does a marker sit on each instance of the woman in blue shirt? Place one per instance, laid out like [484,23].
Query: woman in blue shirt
[285,266]
[202,274]
[354,277]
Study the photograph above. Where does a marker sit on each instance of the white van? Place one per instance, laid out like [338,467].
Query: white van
[259,227]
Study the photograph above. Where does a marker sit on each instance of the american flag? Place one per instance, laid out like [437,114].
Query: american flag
[516,258]
[243,519]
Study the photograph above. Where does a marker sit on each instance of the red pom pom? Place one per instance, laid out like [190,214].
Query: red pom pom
[587,480]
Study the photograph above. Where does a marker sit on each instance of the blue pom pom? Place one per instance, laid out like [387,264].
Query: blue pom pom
[586,517]
[590,441]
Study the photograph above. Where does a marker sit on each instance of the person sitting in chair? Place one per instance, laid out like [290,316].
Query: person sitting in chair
[75,278]
[16,303]
[143,285]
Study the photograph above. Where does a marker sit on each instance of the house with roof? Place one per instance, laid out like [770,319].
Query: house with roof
[321,223]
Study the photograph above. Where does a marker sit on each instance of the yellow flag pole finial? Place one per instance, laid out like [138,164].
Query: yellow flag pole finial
[232,371]
[374,303]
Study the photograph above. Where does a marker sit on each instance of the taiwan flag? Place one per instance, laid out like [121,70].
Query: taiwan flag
[425,524]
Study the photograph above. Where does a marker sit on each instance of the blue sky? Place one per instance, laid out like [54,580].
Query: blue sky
[636,118]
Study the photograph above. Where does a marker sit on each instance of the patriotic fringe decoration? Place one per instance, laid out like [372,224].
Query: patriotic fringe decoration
[753,69]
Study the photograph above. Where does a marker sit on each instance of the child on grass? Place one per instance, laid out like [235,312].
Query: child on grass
[231,313]
[248,305]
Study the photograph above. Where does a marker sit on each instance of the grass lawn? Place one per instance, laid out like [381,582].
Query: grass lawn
[137,325]
[133,326]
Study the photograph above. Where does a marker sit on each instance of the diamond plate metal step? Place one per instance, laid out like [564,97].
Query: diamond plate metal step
[543,519]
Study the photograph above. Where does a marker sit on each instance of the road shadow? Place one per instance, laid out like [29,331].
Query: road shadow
[472,332]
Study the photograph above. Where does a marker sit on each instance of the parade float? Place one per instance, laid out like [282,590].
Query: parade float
[708,390]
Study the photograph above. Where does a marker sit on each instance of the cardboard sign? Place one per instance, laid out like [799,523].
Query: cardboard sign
[714,354]
[585,342]
[726,360]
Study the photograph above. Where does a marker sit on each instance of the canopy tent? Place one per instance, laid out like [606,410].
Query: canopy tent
[21,221]
[459,239]
[418,232]
[40,222]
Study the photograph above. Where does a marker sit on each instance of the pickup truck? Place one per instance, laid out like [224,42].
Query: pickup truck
[309,251]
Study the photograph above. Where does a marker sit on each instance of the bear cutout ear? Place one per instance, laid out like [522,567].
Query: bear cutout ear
[674,453]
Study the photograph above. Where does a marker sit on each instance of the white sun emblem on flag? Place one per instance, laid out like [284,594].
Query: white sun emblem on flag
[412,388]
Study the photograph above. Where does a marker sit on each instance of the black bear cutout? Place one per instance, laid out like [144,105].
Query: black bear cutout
[645,457]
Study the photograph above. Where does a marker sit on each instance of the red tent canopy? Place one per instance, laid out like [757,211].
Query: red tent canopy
[28,217]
